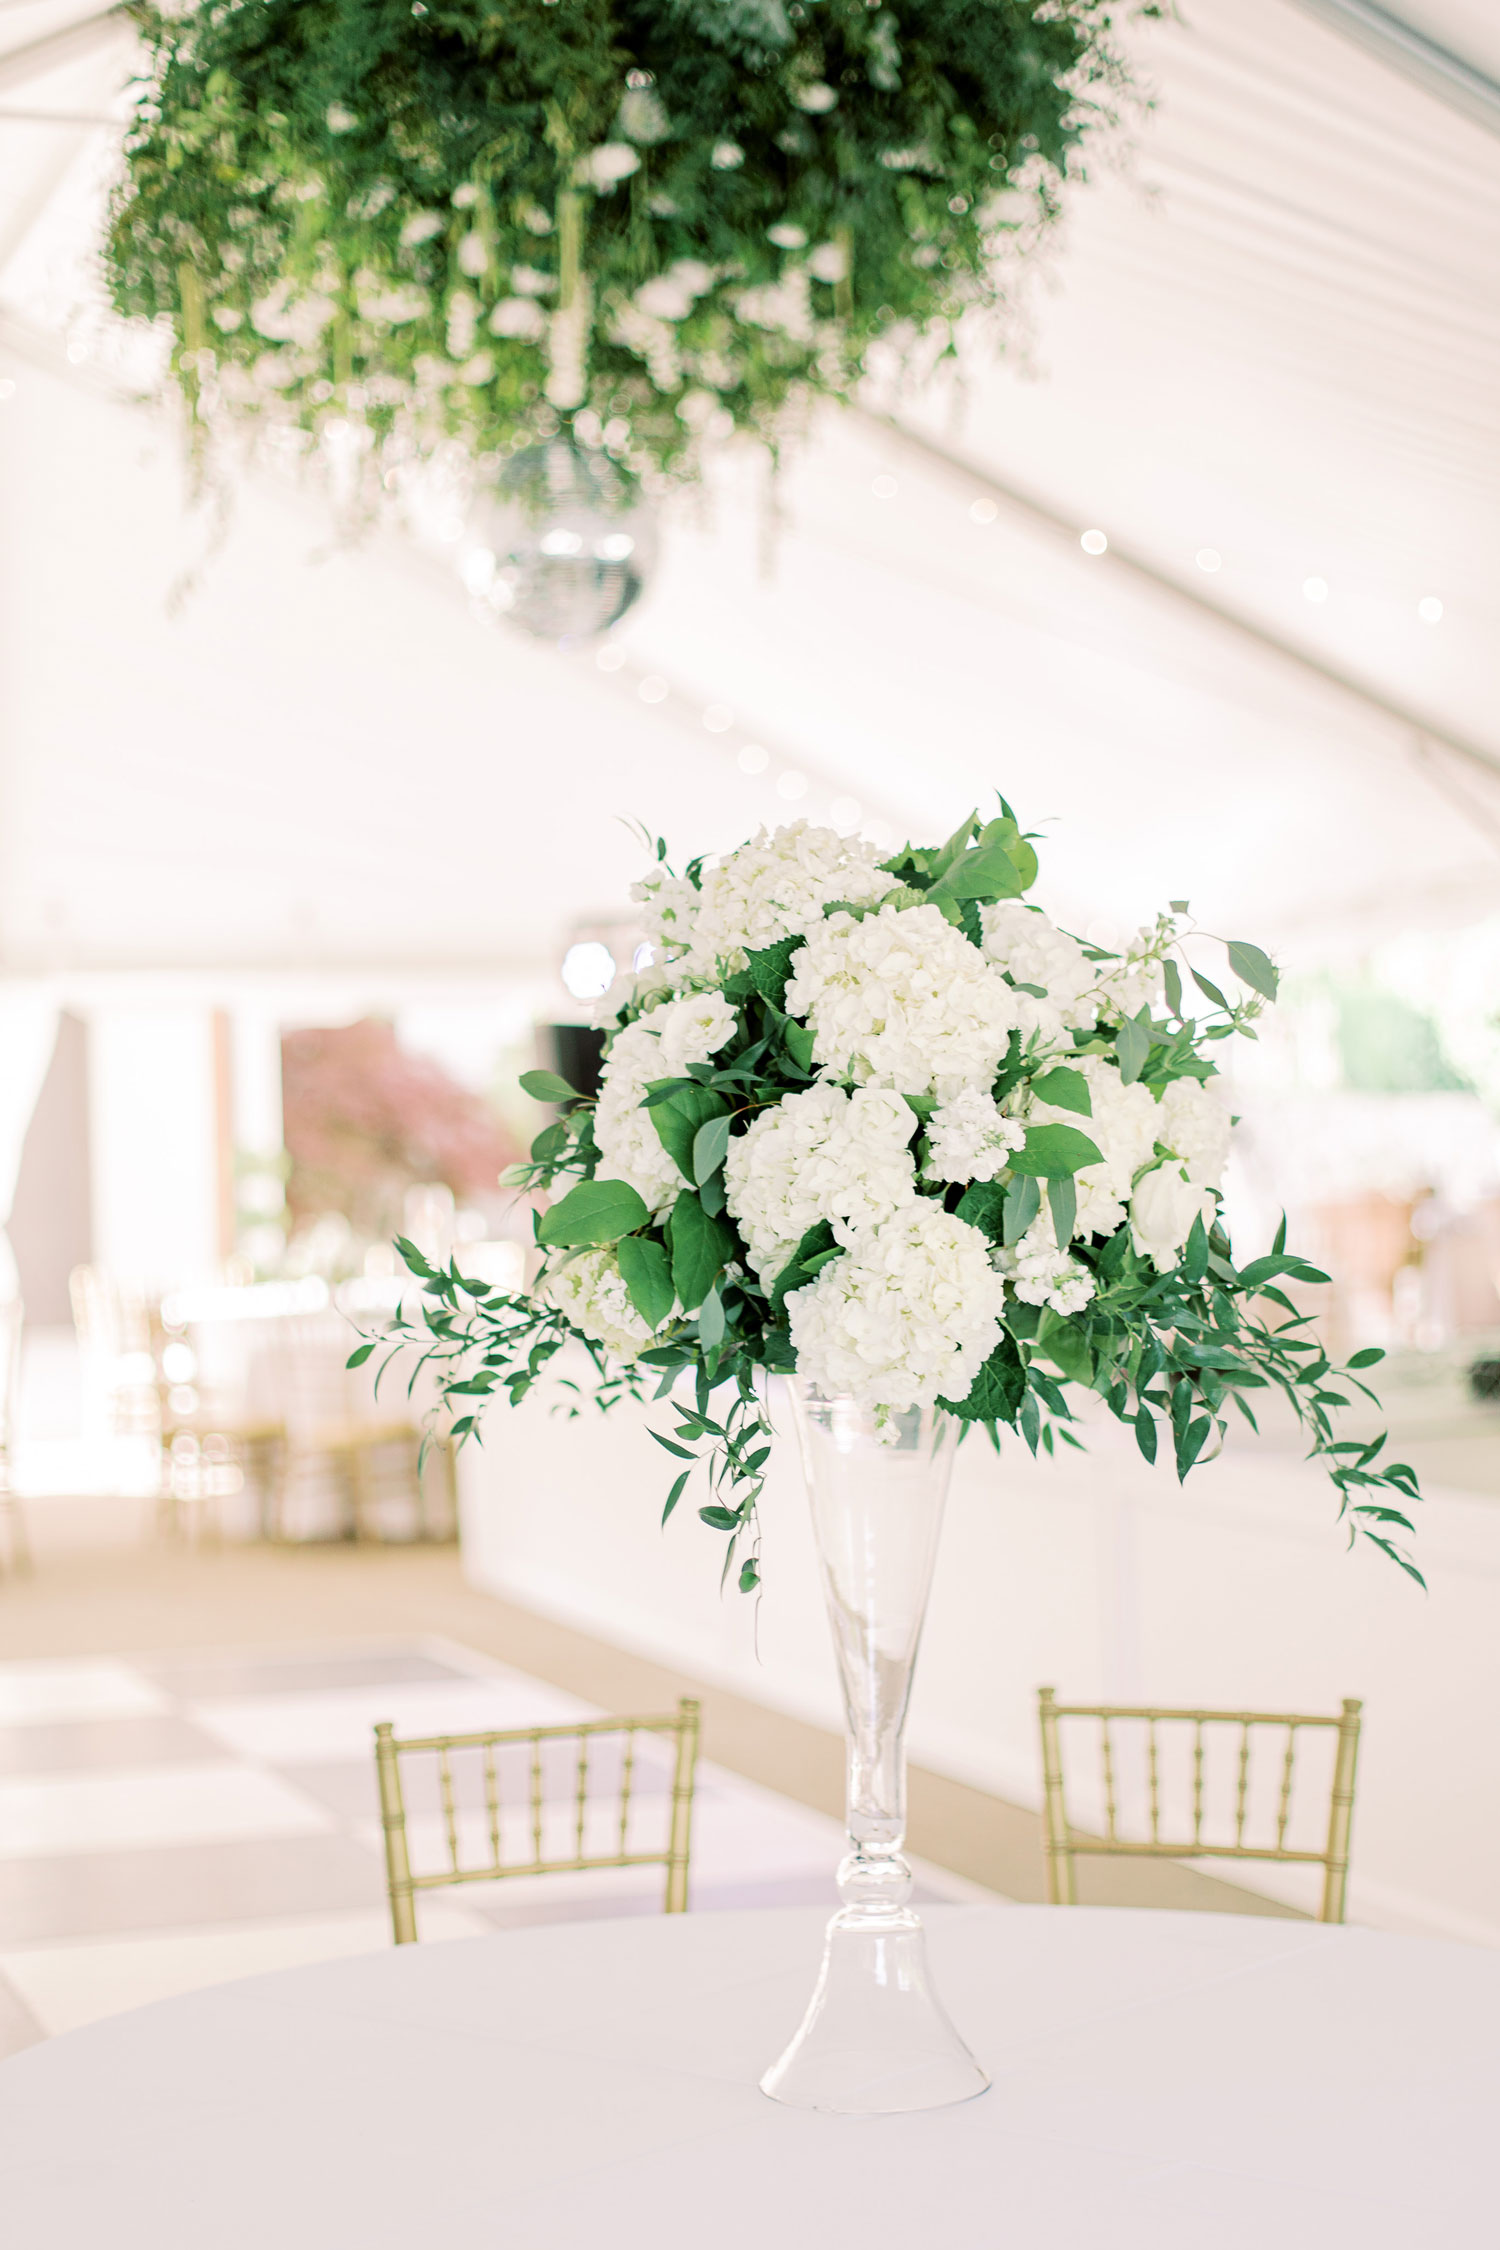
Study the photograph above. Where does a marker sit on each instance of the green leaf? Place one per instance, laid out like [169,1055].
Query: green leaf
[1366,1358]
[719,1519]
[1066,1346]
[359,1355]
[1209,991]
[550,1142]
[1054,1152]
[1145,1433]
[749,1576]
[595,1211]
[647,1275]
[1023,1200]
[1064,1089]
[678,1117]
[811,1254]
[1001,864]
[799,1043]
[771,965]
[1171,977]
[711,1321]
[546,1086]
[412,1257]
[1132,1045]
[710,1143]
[668,1446]
[996,1391]
[1062,1201]
[675,1494]
[1195,1252]
[701,1249]
[983,1206]
[1254,968]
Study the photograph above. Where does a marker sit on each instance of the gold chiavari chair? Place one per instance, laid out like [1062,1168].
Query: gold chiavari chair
[1063,1843]
[540,1819]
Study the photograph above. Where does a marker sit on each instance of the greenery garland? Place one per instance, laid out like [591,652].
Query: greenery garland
[444,220]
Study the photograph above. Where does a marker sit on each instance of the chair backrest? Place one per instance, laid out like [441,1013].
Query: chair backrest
[1246,1806]
[514,1824]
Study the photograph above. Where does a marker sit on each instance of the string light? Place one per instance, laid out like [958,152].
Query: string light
[791,786]
[983,511]
[752,759]
[610,657]
[718,718]
[1208,558]
[1093,542]
[653,689]
[845,812]
[1315,589]
[884,488]
[1430,610]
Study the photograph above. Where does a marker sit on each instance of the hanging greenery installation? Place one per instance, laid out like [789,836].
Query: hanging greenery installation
[646,222]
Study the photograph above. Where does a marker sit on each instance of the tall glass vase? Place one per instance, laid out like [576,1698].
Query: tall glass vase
[875,2037]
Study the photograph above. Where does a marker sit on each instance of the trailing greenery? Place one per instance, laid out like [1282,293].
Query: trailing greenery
[1170,1332]
[463,220]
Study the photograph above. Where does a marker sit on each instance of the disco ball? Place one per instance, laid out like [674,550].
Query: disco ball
[560,545]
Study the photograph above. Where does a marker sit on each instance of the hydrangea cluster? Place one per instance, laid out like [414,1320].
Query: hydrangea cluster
[908,1315]
[825,1154]
[901,998]
[657,1046]
[776,886]
[1042,1274]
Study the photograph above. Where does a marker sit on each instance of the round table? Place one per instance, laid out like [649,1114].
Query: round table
[1163,2079]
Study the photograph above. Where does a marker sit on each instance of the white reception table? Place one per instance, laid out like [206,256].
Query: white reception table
[1174,2080]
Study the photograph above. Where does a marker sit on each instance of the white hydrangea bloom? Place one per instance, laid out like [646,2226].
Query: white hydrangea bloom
[901,999]
[1125,1125]
[969,1138]
[1193,1122]
[908,1315]
[1162,1211]
[1041,1274]
[590,1290]
[824,1154]
[660,1045]
[775,886]
[1034,950]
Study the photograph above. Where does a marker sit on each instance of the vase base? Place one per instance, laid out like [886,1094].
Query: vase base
[876,2039]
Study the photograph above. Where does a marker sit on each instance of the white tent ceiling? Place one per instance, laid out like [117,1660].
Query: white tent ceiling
[1271,332]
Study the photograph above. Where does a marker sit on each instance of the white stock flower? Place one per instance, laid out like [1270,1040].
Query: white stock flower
[1035,951]
[908,1315]
[590,1290]
[1194,1124]
[969,1139]
[824,1154]
[901,999]
[670,909]
[1041,1274]
[1162,1211]
[1124,1126]
[518,316]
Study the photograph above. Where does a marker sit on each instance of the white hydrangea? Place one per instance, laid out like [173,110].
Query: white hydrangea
[660,1045]
[824,1154]
[1193,1122]
[775,886]
[901,999]
[590,1290]
[908,1315]
[1041,1274]
[1162,1211]
[1021,940]
[969,1138]
[1125,1126]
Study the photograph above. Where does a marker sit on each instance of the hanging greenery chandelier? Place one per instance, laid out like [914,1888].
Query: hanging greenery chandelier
[646,222]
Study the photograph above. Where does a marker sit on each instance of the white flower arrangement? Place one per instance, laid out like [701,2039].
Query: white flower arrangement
[882,1123]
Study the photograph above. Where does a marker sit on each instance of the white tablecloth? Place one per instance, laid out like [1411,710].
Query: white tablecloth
[1191,2082]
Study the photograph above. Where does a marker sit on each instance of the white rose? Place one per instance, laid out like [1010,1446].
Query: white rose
[1162,1210]
[692,1029]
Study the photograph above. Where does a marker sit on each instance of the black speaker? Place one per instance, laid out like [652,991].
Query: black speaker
[576,1052]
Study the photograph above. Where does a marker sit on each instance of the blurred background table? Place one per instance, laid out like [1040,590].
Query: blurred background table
[1160,2079]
